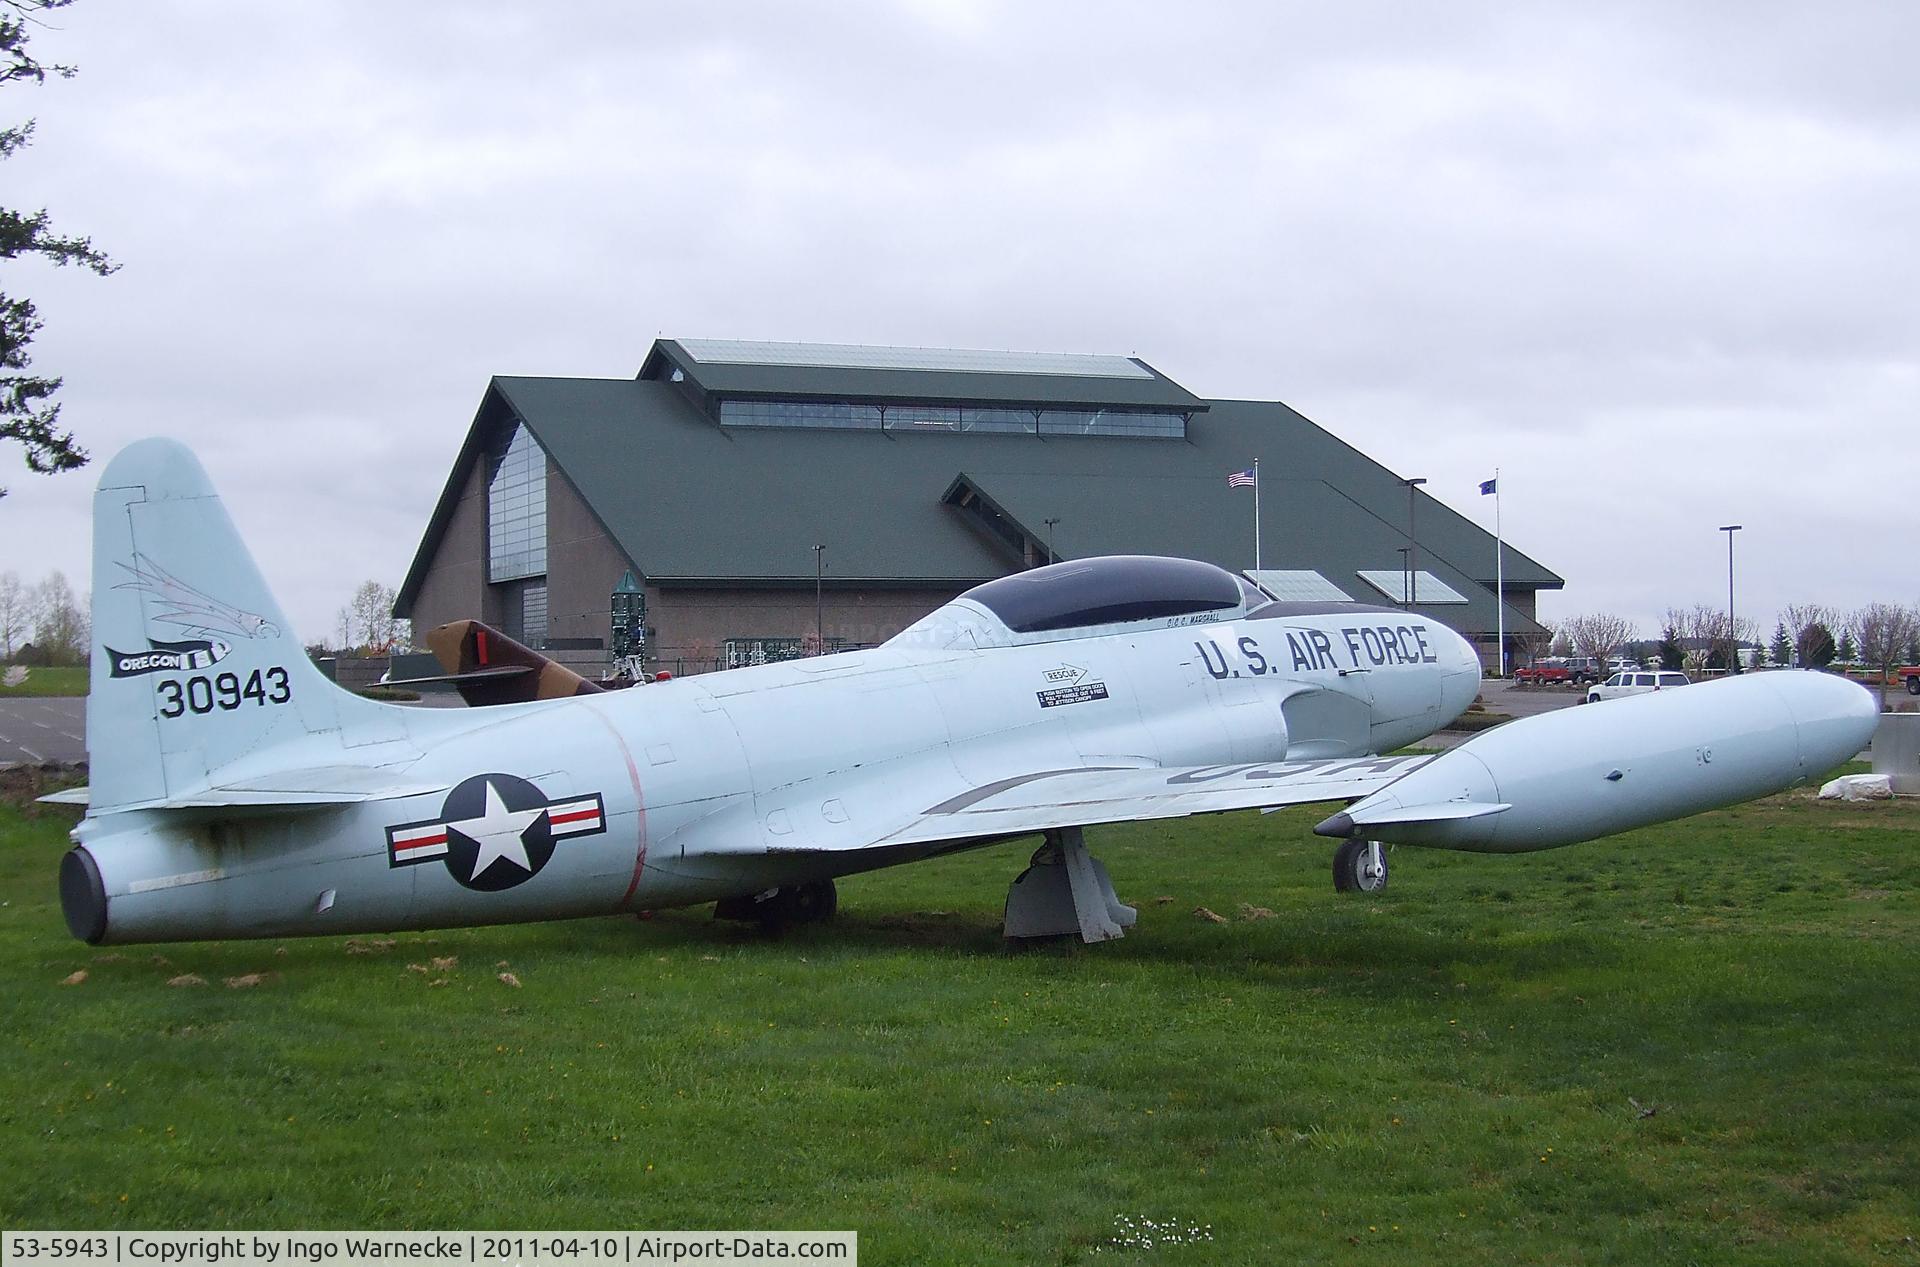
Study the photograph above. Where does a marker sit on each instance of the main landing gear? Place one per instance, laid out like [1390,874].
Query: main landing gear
[1065,890]
[790,904]
[1360,866]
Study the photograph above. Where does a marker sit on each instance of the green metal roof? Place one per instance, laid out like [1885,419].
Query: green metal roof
[692,502]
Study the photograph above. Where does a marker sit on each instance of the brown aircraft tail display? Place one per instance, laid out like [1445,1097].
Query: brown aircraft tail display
[487,667]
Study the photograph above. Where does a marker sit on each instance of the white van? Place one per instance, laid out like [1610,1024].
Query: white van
[1638,683]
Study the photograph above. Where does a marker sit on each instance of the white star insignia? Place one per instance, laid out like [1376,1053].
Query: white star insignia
[498,832]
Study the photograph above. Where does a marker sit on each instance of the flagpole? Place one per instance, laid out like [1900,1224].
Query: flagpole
[1256,514]
[1499,575]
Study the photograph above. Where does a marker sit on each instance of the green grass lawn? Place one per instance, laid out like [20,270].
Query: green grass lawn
[44,682]
[1695,1043]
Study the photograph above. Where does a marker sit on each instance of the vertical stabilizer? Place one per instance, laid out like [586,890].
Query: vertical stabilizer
[194,665]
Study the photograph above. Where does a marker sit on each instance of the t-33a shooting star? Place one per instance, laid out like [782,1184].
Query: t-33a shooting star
[238,793]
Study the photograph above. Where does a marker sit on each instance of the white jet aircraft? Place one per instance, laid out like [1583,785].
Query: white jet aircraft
[238,793]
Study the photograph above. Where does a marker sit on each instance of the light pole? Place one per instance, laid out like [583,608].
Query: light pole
[1406,579]
[1413,543]
[1050,523]
[1733,634]
[819,610]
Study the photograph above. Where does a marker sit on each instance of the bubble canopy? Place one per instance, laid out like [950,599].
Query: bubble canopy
[1106,591]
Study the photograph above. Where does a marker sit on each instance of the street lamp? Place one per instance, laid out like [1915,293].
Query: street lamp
[1413,542]
[1050,523]
[1406,579]
[1733,637]
[819,610]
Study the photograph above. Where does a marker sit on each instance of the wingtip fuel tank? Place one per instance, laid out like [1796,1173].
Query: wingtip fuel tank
[1582,773]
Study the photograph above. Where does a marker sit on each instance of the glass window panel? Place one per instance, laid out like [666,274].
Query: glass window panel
[1018,421]
[517,510]
[914,416]
[533,615]
[922,418]
[1429,589]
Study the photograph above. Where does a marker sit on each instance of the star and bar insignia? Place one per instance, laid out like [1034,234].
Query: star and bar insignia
[495,831]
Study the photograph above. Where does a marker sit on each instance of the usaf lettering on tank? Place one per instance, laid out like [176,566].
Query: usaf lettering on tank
[495,831]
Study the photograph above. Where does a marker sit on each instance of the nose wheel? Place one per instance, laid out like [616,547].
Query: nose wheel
[1360,866]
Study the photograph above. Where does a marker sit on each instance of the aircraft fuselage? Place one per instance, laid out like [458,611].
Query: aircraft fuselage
[727,784]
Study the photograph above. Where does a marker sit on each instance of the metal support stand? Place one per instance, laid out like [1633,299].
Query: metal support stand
[1066,890]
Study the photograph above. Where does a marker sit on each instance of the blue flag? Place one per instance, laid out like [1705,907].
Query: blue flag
[1486,486]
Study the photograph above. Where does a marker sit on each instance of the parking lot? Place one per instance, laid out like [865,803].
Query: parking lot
[33,731]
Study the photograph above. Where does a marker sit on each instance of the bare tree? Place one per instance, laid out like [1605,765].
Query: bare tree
[1885,630]
[13,613]
[1697,629]
[61,627]
[368,622]
[1600,635]
[1806,623]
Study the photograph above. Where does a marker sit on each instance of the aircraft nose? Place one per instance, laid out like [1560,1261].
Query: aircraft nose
[1460,684]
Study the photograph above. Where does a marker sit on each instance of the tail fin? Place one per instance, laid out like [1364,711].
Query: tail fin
[195,668]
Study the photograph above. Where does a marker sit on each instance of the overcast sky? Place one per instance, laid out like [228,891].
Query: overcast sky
[1655,262]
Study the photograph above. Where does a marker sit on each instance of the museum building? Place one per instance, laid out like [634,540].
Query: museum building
[739,502]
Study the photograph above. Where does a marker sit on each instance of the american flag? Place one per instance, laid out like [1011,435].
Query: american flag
[1241,479]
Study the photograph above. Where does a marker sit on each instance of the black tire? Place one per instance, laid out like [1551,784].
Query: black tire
[812,902]
[1913,684]
[790,904]
[1351,872]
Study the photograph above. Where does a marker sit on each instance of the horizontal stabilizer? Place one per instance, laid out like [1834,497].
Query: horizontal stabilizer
[67,796]
[477,675]
[316,788]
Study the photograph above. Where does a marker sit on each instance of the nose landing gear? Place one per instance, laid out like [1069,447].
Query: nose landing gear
[1360,866]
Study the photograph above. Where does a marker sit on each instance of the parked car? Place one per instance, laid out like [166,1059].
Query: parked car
[1576,669]
[1636,683]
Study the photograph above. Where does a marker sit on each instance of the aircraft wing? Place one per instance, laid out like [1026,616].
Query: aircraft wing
[1084,796]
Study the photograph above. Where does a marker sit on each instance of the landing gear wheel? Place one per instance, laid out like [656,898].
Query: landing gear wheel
[790,904]
[1360,866]
[810,903]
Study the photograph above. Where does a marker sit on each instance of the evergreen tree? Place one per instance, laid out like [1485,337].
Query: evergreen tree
[1817,649]
[1848,652]
[1782,645]
[1671,657]
[28,412]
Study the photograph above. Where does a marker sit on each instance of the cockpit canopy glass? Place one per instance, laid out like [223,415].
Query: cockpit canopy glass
[1106,591]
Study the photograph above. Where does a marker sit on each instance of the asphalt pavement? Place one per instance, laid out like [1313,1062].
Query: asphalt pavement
[33,731]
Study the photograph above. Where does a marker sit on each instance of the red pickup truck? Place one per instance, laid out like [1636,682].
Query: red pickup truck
[1578,670]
